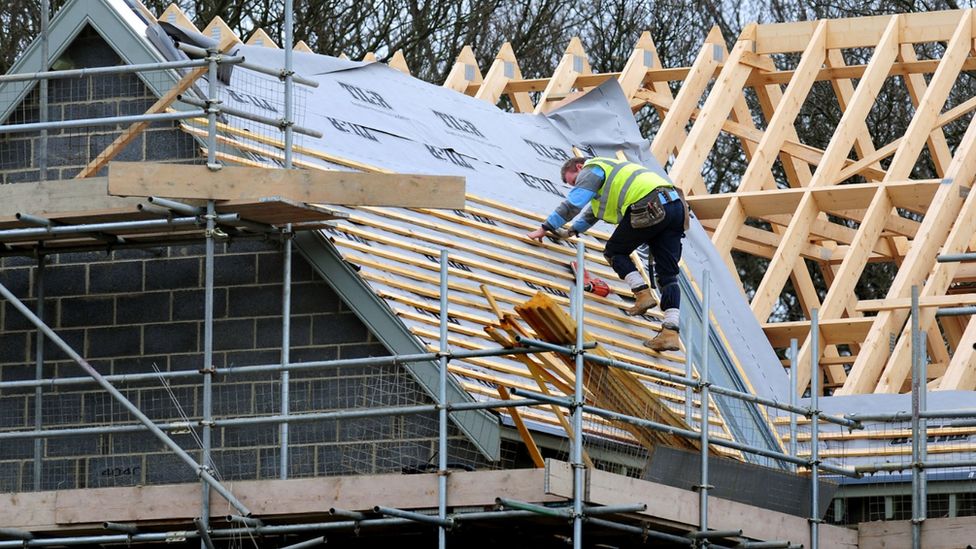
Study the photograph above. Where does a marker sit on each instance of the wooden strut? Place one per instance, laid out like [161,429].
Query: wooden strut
[133,131]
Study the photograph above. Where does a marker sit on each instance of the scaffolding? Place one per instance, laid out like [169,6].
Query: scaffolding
[195,223]
[443,520]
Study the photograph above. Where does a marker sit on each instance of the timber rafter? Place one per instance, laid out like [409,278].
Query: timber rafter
[834,209]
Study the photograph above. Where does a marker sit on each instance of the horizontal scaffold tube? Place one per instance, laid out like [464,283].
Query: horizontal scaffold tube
[683,432]
[293,367]
[613,363]
[955,311]
[900,417]
[636,530]
[350,413]
[200,52]
[249,116]
[889,467]
[161,224]
[118,69]
[105,121]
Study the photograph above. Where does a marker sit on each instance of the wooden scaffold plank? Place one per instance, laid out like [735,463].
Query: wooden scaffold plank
[312,186]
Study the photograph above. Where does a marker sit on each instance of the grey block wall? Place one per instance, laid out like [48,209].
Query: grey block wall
[137,311]
[141,311]
[69,150]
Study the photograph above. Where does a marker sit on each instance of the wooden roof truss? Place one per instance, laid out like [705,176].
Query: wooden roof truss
[839,207]
[806,213]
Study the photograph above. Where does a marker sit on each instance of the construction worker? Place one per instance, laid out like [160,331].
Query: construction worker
[647,209]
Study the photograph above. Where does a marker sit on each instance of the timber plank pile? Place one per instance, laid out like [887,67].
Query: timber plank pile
[609,388]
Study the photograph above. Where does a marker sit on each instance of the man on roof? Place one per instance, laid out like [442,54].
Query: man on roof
[647,209]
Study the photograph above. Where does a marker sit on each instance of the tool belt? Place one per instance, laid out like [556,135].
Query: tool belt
[649,211]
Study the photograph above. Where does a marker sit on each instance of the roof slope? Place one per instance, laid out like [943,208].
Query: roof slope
[375,118]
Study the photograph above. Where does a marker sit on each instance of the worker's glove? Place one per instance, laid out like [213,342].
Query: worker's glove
[562,234]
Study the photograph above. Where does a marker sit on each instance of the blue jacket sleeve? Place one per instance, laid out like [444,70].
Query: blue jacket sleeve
[588,182]
[575,201]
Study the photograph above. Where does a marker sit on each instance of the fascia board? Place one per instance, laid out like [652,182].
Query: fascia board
[481,427]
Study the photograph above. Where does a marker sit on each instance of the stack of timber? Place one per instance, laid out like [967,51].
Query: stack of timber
[609,388]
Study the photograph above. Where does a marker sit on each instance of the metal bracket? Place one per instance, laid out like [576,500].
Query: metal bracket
[216,233]
[176,537]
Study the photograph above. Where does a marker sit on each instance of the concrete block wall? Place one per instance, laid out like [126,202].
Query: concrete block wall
[69,150]
[136,311]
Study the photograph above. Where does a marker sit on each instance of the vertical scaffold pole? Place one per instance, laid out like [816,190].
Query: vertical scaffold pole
[286,278]
[208,365]
[690,391]
[916,439]
[213,106]
[38,369]
[577,457]
[285,351]
[213,102]
[42,90]
[289,82]
[442,410]
[923,431]
[703,406]
[793,390]
[815,430]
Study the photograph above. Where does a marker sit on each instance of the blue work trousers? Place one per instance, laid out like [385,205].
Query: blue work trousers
[664,242]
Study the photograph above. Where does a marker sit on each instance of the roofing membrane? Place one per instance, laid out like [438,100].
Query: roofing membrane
[370,114]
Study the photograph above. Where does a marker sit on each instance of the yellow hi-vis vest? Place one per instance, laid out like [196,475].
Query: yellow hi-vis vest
[624,184]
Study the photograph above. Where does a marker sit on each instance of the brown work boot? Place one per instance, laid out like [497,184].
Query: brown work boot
[645,300]
[667,340]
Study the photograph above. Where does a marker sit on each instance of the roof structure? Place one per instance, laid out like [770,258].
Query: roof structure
[819,215]
[375,118]
[378,119]
[824,202]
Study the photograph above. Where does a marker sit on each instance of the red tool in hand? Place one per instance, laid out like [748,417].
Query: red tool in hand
[592,284]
